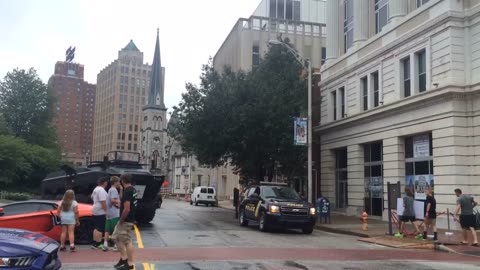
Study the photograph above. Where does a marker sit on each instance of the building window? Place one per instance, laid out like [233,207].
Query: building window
[341,178]
[334,100]
[376,89]
[381,14]
[324,55]
[373,172]
[255,56]
[177,181]
[421,2]
[348,24]
[341,96]
[422,71]
[364,85]
[419,164]
[296,10]
[406,77]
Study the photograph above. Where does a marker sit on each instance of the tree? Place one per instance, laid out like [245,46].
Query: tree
[246,117]
[27,107]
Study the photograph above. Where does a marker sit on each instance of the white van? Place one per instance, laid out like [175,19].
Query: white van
[204,195]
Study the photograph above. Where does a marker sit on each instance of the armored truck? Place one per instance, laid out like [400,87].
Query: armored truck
[84,180]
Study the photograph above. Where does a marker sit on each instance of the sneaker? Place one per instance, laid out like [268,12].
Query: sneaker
[114,248]
[126,267]
[120,263]
[101,246]
[73,249]
[419,237]
[104,248]
[94,246]
[398,235]
[63,249]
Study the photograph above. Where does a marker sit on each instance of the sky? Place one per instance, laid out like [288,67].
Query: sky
[36,33]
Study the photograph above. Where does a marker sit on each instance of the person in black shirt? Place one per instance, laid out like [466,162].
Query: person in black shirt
[124,230]
[430,215]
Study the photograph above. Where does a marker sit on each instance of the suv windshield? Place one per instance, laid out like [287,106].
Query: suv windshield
[285,193]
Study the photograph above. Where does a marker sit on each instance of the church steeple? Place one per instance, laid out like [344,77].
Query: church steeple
[155,97]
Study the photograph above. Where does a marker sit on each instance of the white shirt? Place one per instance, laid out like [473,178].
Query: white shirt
[99,195]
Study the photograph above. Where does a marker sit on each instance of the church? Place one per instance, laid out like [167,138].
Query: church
[154,125]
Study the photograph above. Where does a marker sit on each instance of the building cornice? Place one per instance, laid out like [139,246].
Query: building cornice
[432,97]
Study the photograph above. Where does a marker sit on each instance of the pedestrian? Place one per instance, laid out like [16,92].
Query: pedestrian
[430,215]
[99,211]
[68,212]
[467,218]
[125,226]
[408,215]
[113,212]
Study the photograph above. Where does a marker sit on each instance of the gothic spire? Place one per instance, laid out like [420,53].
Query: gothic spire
[155,97]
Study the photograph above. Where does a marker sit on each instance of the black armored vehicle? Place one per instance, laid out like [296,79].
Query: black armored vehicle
[84,180]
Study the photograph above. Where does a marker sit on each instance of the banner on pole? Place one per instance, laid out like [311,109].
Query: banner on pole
[300,131]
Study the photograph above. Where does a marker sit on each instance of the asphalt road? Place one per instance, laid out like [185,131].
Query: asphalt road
[199,237]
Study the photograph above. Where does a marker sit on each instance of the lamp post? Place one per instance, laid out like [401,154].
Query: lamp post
[306,64]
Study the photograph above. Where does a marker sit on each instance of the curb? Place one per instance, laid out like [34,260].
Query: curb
[340,231]
[443,248]
[226,208]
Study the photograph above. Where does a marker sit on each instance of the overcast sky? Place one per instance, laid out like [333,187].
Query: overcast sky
[36,33]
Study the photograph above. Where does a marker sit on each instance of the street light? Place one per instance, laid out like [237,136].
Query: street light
[306,64]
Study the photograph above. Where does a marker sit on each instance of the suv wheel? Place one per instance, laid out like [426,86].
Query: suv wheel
[241,218]
[262,223]
[307,230]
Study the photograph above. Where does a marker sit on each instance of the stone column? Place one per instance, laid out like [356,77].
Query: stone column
[356,180]
[393,166]
[360,21]
[332,29]
[397,9]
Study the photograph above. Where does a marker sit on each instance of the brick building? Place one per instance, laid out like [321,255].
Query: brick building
[74,111]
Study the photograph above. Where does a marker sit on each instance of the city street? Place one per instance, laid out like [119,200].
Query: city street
[199,237]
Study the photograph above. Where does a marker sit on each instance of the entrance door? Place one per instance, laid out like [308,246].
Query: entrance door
[341,179]
[373,158]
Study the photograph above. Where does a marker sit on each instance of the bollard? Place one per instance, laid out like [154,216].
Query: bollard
[364,221]
[448,218]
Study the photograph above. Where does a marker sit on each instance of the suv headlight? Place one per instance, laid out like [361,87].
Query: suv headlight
[313,211]
[16,262]
[274,209]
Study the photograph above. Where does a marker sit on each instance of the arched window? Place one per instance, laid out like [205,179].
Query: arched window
[156,156]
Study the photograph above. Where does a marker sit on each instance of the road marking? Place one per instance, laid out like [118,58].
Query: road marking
[146,266]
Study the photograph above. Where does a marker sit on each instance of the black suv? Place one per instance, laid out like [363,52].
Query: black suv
[276,205]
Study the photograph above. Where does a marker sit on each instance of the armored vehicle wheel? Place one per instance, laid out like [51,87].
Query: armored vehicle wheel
[241,218]
[84,232]
[145,216]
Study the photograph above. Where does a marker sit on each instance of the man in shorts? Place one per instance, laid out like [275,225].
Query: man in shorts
[124,230]
[467,218]
[430,215]
[408,215]
[99,211]
[113,212]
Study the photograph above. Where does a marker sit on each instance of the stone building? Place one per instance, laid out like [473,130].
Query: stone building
[74,111]
[400,101]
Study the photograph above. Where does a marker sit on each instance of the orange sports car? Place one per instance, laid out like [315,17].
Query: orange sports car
[40,216]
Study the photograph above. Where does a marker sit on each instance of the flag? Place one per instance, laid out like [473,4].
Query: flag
[300,131]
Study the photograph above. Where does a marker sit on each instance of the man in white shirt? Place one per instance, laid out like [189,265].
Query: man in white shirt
[99,211]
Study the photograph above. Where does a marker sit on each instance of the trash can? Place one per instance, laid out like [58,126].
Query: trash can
[323,209]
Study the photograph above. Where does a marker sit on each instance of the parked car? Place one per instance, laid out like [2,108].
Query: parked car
[204,195]
[275,205]
[40,216]
[20,249]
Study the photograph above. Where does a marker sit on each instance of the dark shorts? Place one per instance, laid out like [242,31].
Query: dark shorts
[407,218]
[467,221]
[99,223]
[432,215]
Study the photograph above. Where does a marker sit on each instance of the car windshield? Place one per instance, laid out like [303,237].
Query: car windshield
[285,193]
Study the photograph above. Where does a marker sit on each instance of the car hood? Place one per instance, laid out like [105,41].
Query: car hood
[14,242]
[289,203]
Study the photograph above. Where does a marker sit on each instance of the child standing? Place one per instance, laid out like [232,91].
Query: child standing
[113,213]
[68,212]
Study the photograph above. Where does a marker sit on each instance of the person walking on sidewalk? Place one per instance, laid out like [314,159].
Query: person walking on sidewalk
[99,211]
[408,215]
[467,218]
[125,226]
[68,212]
[430,215]
[113,212]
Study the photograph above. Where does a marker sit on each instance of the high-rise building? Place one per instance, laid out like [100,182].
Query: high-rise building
[121,94]
[400,102]
[74,111]
[301,21]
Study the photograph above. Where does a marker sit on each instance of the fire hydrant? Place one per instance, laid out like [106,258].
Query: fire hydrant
[364,221]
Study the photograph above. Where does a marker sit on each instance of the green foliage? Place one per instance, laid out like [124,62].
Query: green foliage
[17,196]
[27,107]
[246,117]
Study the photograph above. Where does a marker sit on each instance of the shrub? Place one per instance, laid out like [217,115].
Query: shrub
[18,196]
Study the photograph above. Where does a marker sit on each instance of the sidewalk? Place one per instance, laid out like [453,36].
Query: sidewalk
[377,233]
